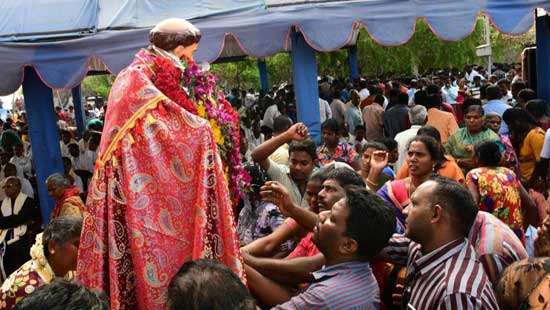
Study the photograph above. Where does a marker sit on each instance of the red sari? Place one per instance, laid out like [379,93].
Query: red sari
[158,196]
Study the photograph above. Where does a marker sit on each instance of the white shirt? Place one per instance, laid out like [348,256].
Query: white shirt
[324,110]
[545,153]
[363,93]
[86,161]
[270,114]
[23,164]
[253,142]
[403,139]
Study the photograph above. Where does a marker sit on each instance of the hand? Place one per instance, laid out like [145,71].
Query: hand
[379,160]
[297,132]
[277,194]
[469,148]
[542,243]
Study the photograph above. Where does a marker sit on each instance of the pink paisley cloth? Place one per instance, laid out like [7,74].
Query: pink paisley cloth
[158,196]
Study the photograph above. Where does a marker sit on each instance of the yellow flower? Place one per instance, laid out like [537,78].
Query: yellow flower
[201,110]
[218,138]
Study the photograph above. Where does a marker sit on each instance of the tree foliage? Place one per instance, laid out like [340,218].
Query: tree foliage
[424,51]
[97,85]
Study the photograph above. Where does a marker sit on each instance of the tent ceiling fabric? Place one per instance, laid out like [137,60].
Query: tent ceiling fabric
[263,30]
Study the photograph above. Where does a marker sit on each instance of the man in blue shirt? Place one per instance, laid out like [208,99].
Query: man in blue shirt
[494,104]
[349,236]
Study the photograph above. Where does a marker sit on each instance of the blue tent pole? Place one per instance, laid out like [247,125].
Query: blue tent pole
[543,57]
[79,115]
[352,63]
[304,72]
[262,67]
[43,134]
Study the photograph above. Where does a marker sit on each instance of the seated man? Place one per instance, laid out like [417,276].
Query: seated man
[10,170]
[17,212]
[349,236]
[272,280]
[65,195]
[207,284]
[442,267]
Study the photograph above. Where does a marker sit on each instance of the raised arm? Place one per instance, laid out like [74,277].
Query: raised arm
[261,153]
[276,193]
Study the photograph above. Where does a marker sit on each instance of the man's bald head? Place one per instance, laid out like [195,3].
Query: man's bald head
[173,32]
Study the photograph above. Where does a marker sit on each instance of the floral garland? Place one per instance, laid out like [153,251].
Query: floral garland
[223,119]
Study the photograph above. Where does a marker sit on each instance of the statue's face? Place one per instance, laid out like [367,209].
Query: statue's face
[186,52]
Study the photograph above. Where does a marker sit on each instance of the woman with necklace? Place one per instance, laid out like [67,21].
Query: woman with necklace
[424,156]
[461,144]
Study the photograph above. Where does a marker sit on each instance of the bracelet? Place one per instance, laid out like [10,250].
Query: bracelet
[371,183]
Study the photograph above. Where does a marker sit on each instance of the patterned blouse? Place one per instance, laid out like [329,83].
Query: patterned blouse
[343,153]
[499,192]
[32,275]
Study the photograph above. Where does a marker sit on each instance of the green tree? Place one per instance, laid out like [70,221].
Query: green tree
[97,85]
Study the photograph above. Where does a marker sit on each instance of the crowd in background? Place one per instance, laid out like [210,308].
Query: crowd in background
[423,192]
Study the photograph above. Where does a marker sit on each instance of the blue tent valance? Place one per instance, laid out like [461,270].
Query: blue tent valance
[262,30]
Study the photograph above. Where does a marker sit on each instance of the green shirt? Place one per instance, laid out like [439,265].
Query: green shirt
[456,145]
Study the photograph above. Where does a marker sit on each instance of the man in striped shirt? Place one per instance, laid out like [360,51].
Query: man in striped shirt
[496,245]
[349,235]
[442,269]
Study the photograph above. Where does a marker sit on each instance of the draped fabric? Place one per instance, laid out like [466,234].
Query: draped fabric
[158,196]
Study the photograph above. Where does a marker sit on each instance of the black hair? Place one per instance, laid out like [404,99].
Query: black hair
[319,175]
[258,175]
[493,92]
[359,127]
[470,101]
[345,177]
[537,108]
[432,89]
[390,143]
[474,108]
[518,115]
[430,131]
[169,41]
[420,97]
[527,94]
[307,146]
[63,295]
[456,200]
[433,101]
[281,123]
[393,93]
[379,99]
[370,221]
[503,82]
[375,145]
[434,148]
[207,284]
[61,230]
[488,154]
[403,98]
[331,125]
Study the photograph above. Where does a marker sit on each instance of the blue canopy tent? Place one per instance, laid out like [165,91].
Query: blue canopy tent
[59,55]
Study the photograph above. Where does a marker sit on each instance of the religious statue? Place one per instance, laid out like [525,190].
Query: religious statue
[168,169]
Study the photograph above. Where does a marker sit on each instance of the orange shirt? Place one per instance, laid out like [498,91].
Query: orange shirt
[444,122]
[450,170]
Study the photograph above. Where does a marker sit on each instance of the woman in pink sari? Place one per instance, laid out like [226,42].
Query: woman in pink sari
[424,156]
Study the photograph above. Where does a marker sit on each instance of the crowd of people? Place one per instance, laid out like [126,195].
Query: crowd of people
[422,193]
